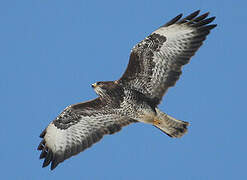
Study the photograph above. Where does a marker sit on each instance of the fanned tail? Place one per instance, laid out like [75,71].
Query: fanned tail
[171,126]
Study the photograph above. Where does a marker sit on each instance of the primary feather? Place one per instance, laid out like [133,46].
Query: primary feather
[156,62]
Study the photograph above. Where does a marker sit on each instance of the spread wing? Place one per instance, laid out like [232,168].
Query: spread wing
[77,128]
[156,62]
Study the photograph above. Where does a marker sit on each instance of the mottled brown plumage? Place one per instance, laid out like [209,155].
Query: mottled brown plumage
[155,65]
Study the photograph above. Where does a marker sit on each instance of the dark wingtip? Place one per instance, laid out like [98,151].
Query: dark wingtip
[48,158]
[54,164]
[204,22]
[194,19]
[211,19]
[201,17]
[196,12]
[208,27]
[58,157]
[191,16]
[173,21]
[42,135]
[47,154]
[212,26]
[41,145]
[43,153]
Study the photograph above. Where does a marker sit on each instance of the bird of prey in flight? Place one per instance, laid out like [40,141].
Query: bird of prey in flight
[155,64]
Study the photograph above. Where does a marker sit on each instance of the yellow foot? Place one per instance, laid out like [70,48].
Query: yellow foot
[156,122]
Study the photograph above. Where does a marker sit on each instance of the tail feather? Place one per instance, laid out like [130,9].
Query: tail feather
[171,126]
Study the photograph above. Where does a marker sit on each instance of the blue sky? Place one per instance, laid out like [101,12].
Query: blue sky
[51,53]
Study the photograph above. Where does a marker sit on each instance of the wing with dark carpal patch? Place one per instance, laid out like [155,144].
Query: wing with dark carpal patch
[156,62]
[77,128]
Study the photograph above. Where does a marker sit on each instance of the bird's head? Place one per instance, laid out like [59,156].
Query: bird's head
[106,88]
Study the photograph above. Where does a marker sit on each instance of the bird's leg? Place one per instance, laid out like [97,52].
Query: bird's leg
[156,121]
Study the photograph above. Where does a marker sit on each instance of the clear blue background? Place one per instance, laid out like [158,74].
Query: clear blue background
[52,51]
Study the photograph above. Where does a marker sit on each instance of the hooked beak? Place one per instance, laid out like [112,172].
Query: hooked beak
[93,85]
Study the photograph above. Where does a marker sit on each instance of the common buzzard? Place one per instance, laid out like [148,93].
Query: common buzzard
[155,65]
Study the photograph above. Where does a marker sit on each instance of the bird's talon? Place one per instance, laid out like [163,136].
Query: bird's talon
[156,122]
